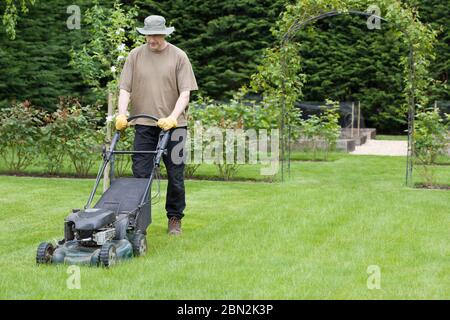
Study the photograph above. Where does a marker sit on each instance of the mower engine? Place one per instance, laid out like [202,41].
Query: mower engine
[91,227]
[103,236]
[93,236]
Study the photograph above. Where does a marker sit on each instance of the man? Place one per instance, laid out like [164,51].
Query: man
[158,78]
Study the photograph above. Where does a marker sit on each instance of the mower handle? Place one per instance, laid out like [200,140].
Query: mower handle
[116,136]
[142,116]
[164,137]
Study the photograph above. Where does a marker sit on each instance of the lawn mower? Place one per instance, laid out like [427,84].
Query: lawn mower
[115,227]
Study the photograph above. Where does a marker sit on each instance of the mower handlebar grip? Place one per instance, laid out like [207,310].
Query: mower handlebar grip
[142,116]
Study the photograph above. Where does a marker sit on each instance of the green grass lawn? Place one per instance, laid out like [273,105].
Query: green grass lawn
[312,237]
[391,137]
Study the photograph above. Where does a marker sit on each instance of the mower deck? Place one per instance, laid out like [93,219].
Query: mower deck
[72,252]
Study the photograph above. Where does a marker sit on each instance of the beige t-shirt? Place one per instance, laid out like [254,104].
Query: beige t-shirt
[155,81]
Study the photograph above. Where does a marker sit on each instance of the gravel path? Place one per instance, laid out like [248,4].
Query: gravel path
[382,148]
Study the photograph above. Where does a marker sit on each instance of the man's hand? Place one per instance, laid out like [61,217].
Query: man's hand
[167,123]
[121,122]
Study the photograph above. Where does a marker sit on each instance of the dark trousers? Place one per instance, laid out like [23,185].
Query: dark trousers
[146,139]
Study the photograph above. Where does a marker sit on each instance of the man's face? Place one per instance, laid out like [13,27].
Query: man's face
[155,42]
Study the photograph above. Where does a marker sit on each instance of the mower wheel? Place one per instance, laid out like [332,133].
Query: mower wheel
[139,244]
[44,253]
[108,255]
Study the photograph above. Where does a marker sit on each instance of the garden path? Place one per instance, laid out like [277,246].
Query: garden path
[382,148]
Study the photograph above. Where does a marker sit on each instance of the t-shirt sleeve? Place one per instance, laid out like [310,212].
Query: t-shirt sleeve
[185,75]
[126,77]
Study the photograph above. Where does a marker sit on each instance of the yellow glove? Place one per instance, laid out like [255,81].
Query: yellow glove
[167,123]
[121,122]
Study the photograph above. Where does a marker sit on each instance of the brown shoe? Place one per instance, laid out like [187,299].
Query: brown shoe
[174,226]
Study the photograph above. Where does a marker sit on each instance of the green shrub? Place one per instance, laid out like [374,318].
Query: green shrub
[84,150]
[323,128]
[19,135]
[238,114]
[55,135]
[219,116]
[71,132]
[431,136]
[309,130]
[329,128]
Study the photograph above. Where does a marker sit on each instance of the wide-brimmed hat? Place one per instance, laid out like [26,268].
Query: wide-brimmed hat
[155,25]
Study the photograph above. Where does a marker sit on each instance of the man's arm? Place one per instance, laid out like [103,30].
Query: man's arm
[171,121]
[182,102]
[121,119]
[124,99]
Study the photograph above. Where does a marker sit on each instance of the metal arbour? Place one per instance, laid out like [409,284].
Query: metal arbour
[287,38]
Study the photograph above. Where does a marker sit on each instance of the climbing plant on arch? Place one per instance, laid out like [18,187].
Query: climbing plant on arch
[279,76]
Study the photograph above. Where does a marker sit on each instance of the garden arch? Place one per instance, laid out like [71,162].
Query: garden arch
[416,36]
